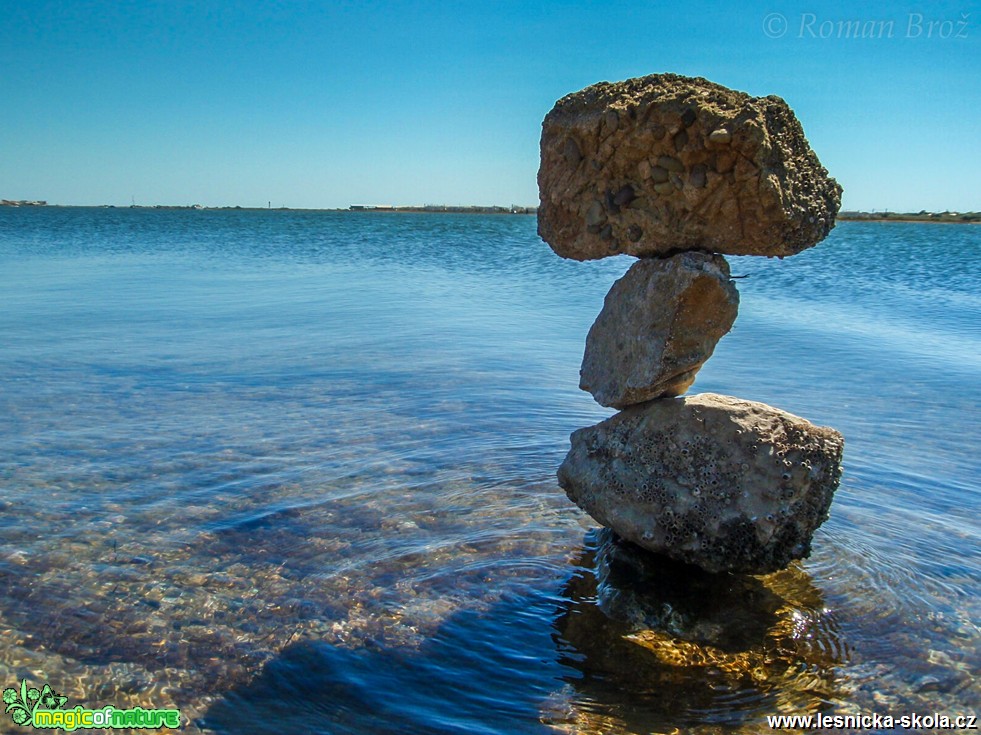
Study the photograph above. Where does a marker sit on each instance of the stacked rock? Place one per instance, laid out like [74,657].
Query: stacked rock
[678,171]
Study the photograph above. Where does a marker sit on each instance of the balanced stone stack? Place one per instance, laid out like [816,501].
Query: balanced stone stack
[678,171]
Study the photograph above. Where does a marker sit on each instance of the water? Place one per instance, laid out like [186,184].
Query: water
[295,472]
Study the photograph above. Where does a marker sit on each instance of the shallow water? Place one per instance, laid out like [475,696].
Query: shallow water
[295,472]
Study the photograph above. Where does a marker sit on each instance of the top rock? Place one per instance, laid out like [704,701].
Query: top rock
[664,163]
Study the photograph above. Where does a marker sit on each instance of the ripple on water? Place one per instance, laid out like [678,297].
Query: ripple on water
[301,466]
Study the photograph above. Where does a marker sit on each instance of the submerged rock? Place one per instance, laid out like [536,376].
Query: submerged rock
[664,163]
[659,323]
[654,640]
[652,592]
[720,482]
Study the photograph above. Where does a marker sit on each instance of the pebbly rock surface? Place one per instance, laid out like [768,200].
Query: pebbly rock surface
[665,163]
[711,480]
[660,322]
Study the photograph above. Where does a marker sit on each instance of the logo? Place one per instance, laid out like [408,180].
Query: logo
[44,709]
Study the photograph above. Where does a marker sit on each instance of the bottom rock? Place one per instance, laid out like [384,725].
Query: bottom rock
[723,483]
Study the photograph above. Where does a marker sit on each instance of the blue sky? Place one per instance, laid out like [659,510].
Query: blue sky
[324,104]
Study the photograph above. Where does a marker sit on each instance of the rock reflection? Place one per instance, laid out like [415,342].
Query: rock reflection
[660,645]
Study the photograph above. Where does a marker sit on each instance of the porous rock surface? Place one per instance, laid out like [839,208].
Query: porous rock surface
[659,323]
[665,163]
[711,480]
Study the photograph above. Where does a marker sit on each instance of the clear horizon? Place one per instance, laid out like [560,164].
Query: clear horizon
[316,105]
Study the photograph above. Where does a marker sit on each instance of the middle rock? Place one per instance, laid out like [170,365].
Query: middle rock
[660,322]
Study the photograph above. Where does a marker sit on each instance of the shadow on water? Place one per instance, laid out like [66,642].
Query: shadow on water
[630,643]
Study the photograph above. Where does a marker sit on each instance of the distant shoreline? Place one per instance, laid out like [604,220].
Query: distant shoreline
[429,209]
[845,216]
[956,218]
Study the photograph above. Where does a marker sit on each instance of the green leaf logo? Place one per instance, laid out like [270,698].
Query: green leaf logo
[22,702]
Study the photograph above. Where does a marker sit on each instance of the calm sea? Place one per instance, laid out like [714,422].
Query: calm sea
[294,472]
